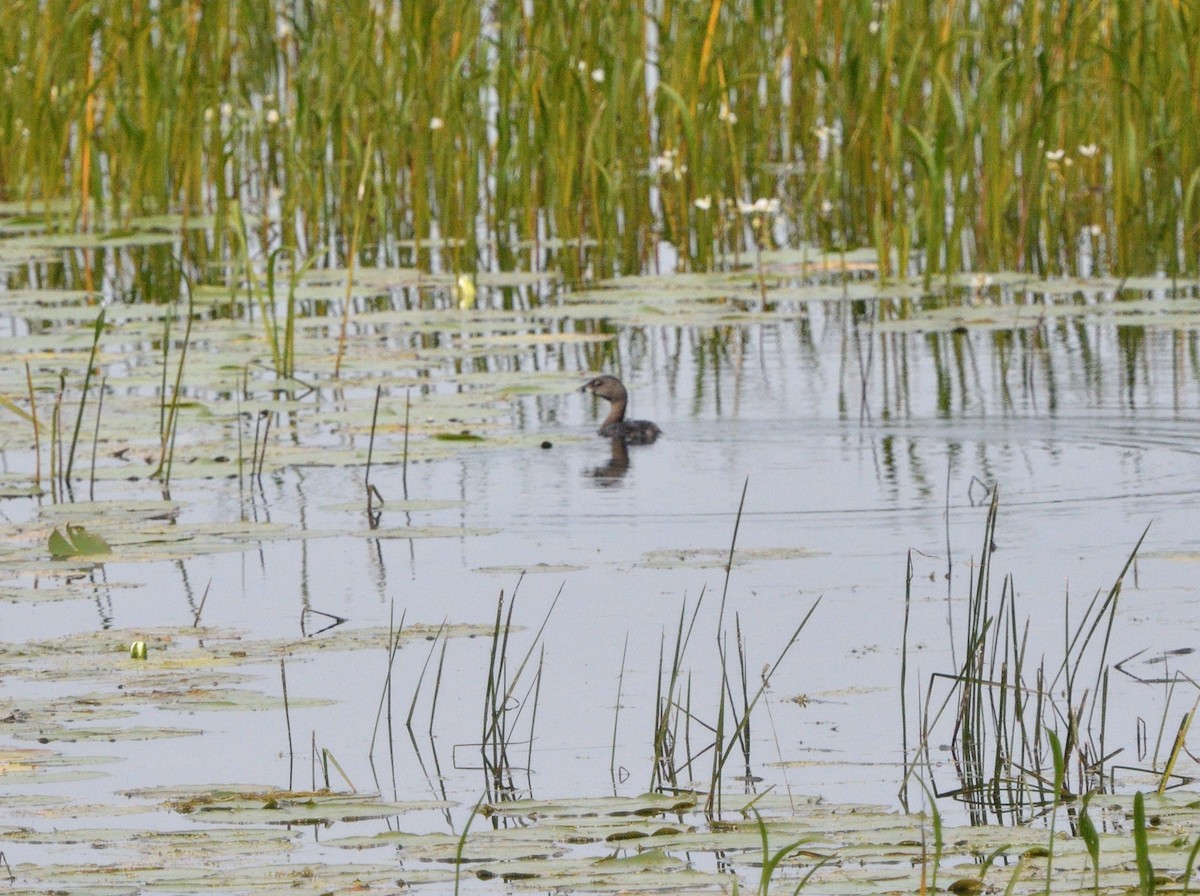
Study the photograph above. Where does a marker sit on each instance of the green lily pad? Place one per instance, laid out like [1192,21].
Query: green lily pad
[77,542]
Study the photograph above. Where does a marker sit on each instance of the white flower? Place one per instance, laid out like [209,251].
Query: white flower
[665,163]
[1088,150]
[1095,230]
[726,114]
[704,203]
[226,110]
[436,124]
[826,207]
[760,206]
[598,75]
[1055,155]
[582,66]
[209,113]
[873,26]
[272,116]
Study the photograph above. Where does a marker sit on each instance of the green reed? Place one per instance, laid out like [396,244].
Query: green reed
[1014,717]
[97,330]
[772,857]
[1048,137]
[502,708]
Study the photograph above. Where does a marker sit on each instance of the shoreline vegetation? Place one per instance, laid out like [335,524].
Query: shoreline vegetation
[251,160]
[1046,138]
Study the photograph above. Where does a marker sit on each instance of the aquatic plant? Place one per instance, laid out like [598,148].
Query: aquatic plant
[1043,137]
[1024,738]
[729,728]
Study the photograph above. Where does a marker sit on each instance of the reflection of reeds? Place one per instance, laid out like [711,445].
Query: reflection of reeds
[1043,137]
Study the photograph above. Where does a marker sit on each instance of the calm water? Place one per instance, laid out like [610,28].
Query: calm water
[1087,450]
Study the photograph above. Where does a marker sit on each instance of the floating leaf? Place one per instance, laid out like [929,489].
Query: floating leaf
[78,542]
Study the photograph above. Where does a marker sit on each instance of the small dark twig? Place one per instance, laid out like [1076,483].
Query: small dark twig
[200,609]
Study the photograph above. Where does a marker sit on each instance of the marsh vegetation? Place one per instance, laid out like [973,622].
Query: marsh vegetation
[314,575]
[1050,138]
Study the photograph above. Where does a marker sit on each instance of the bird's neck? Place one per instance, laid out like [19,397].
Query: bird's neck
[616,413]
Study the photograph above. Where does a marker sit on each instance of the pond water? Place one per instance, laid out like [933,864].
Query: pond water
[857,447]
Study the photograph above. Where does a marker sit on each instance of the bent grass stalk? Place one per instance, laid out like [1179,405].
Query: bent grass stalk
[1178,747]
[328,759]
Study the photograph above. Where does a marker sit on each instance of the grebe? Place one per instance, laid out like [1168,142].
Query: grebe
[635,432]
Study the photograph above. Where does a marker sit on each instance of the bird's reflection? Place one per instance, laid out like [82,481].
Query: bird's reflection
[611,473]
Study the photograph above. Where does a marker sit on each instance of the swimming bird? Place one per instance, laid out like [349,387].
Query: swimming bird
[635,432]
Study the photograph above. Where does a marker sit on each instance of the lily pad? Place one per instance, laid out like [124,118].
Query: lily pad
[77,542]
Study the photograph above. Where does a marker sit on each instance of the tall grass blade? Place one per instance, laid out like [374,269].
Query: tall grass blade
[97,329]
[1141,846]
[1091,840]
